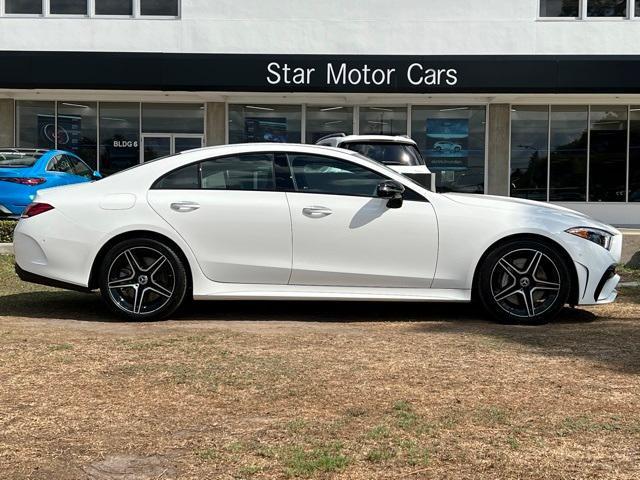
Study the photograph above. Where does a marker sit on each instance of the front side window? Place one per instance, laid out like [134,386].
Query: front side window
[607,8]
[80,168]
[559,8]
[68,7]
[388,153]
[114,7]
[239,172]
[164,8]
[60,163]
[318,174]
[23,7]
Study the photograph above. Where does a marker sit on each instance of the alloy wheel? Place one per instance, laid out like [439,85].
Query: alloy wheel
[141,280]
[525,283]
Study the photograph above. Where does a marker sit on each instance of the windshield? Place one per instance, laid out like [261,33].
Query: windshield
[18,159]
[388,153]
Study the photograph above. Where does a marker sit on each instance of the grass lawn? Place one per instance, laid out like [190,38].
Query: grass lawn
[270,390]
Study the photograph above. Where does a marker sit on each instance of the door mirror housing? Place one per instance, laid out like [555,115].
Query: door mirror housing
[393,191]
[96,175]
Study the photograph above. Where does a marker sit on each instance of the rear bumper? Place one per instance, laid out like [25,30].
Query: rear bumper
[49,282]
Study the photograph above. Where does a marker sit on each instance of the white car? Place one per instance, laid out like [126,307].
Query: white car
[446,146]
[399,153]
[267,221]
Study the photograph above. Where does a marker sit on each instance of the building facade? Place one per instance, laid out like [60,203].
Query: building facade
[535,99]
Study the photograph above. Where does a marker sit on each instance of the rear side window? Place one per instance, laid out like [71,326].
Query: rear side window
[238,172]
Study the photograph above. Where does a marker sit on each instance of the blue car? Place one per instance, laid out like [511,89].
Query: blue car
[25,171]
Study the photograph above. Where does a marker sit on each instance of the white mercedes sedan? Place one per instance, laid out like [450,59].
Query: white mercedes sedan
[301,222]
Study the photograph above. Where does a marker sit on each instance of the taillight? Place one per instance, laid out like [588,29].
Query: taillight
[30,181]
[36,209]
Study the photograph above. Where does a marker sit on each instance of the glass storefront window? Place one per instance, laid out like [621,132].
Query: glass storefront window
[634,155]
[560,8]
[78,130]
[119,136]
[265,123]
[165,8]
[568,163]
[529,149]
[114,7]
[36,124]
[325,120]
[172,118]
[452,140]
[68,7]
[608,154]
[23,7]
[383,120]
[607,8]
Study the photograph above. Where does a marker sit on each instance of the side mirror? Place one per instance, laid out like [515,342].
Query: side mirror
[393,191]
[96,175]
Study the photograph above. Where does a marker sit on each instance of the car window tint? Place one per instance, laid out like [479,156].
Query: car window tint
[79,168]
[185,178]
[318,174]
[61,163]
[239,172]
[388,153]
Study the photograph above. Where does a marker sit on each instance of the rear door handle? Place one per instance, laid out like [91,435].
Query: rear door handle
[316,212]
[185,207]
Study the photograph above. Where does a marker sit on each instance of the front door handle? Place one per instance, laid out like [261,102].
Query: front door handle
[184,207]
[316,212]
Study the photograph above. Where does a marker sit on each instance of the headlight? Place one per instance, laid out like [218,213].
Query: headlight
[594,235]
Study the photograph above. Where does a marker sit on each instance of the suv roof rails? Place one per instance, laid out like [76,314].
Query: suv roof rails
[333,135]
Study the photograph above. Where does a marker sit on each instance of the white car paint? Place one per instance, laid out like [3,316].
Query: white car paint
[258,245]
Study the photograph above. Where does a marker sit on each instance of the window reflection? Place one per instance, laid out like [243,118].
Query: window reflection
[559,8]
[607,8]
[265,123]
[634,155]
[167,8]
[383,120]
[328,119]
[119,136]
[529,150]
[68,7]
[24,7]
[568,174]
[77,130]
[114,7]
[608,154]
[36,123]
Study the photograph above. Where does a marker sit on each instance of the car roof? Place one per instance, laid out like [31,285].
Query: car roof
[339,139]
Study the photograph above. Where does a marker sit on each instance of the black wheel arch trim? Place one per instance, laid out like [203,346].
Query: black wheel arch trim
[574,292]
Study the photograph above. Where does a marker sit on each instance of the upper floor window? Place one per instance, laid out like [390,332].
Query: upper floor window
[584,9]
[119,8]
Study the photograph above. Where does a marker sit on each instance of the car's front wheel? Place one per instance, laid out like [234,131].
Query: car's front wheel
[525,282]
[143,279]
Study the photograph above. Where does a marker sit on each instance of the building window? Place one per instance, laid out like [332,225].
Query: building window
[606,8]
[23,7]
[608,154]
[114,7]
[173,118]
[325,120]
[452,140]
[569,153]
[529,150]
[265,123]
[383,120]
[68,7]
[119,136]
[634,154]
[560,8]
[78,130]
[36,124]
[164,8]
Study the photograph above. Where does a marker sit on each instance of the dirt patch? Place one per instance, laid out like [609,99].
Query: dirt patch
[129,467]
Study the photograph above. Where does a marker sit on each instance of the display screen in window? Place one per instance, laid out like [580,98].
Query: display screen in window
[162,8]
[114,7]
[24,7]
[559,8]
[68,7]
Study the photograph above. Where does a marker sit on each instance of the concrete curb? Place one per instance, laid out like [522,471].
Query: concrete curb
[6,248]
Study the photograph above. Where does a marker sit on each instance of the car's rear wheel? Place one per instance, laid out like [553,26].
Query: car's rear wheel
[143,279]
[524,282]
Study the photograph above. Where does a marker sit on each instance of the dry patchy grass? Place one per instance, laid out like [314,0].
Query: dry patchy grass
[313,390]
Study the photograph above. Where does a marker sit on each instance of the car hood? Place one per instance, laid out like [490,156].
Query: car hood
[531,207]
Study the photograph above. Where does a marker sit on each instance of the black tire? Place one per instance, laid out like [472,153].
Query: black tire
[143,280]
[514,289]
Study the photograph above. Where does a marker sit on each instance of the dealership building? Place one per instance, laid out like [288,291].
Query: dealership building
[536,99]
